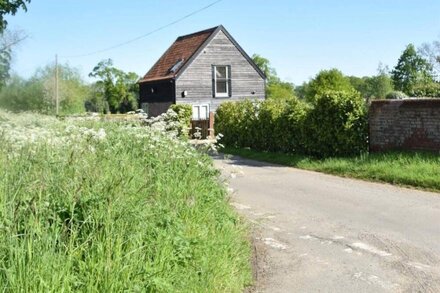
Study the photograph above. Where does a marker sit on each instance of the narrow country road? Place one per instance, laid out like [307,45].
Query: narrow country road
[321,233]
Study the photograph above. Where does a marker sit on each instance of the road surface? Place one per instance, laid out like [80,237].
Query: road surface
[322,233]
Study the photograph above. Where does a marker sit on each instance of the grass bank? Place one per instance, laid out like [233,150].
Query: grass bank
[416,169]
[89,206]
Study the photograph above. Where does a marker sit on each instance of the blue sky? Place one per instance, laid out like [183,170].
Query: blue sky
[298,37]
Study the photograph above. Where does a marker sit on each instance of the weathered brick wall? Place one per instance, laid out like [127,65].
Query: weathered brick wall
[411,124]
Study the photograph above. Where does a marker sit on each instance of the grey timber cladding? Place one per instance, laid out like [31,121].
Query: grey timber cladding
[196,79]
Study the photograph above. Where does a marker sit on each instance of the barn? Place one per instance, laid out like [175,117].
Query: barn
[203,69]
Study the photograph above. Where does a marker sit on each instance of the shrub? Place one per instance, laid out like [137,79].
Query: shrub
[395,95]
[184,113]
[431,90]
[336,125]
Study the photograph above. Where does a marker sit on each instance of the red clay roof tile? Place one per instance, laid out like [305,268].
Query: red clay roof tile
[182,49]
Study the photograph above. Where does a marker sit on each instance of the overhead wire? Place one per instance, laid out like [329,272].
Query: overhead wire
[146,34]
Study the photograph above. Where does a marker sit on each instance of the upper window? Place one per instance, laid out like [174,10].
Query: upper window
[221,81]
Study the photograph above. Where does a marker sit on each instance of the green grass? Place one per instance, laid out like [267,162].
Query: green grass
[133,211]
[415,169]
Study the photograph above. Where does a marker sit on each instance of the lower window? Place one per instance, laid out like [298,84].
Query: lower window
[200,112]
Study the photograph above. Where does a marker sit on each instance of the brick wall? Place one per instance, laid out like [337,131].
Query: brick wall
[411,124]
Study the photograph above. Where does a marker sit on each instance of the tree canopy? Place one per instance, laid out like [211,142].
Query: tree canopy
[411,71]
[115,90]
[10,7]
[276,88]
[327,80]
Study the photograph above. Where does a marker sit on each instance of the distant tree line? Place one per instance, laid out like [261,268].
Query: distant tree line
[416,74]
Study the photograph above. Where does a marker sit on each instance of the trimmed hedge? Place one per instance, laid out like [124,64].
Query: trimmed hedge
[334,125]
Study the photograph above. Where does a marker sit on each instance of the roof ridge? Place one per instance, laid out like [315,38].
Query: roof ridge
[212,29]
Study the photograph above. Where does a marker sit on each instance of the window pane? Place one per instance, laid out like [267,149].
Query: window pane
[203,112]
[195,113]
[220,71]
[221,86]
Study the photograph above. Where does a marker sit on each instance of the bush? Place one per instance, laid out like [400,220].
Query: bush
[431,90]
[336,125]
[184,113]
[395,95]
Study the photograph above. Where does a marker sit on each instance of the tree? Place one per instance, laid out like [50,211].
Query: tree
[411,71]
[264,65]
[431,52]
[117,90]
[38,92]
[10,7]
[327,80]
[276,89]
[373,87]
[8,39]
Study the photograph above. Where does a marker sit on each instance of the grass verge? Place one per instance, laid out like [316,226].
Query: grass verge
[415,169]
[106,207]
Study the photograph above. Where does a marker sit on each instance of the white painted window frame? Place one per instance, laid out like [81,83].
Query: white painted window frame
[221,95]
[198,107]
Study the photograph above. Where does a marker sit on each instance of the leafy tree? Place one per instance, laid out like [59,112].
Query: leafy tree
[373,87]
[117,89]
[411,70]
[327,80]
[264,65]
[280,90]
[38,92]
[276,89]
[10,7]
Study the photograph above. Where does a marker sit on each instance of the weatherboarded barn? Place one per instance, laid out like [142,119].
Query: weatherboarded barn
[202,69]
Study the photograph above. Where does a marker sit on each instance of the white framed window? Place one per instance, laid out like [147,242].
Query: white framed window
[221,81]
[200,112]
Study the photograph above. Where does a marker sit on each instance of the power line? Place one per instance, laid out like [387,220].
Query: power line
[144,35]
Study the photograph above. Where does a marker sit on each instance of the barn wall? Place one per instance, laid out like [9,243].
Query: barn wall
[412,124]
[160,99]
[197,78]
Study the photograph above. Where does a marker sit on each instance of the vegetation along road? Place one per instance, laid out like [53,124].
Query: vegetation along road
[317,232]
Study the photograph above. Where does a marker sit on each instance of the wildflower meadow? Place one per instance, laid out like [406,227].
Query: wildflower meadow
[93,206]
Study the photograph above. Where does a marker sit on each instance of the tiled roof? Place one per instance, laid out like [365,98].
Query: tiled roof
[181,50]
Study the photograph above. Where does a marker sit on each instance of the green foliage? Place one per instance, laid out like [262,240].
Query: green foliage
[324,81]
[184,115]
[38,92]
[276,88]
[115,89]
[25,95]
[280,90]
[372,87]
[412,70]
[10,7]
[264,65]
[395,95]
[88,206]
[336,125]
[184,112]
[430,90]
[416,169]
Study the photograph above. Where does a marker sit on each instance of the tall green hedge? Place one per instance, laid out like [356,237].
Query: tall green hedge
[334,125]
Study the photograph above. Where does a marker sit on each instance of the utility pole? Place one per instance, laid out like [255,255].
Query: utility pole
[57,98]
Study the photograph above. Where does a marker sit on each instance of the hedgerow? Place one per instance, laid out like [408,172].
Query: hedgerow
[334,125]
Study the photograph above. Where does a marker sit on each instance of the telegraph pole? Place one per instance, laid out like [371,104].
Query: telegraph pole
[57,98]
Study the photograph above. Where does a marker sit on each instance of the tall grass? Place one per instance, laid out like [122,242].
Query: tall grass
[104,207]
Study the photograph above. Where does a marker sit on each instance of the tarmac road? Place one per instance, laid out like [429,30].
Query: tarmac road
[322,233]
